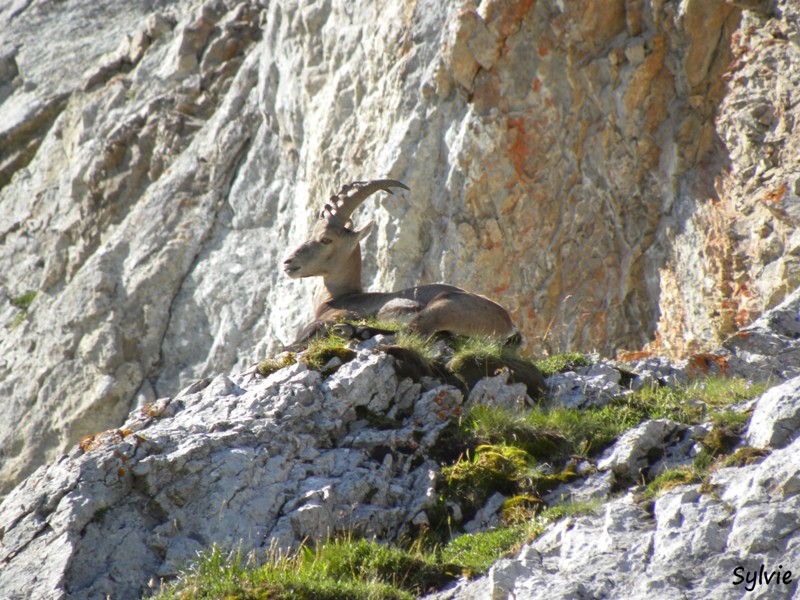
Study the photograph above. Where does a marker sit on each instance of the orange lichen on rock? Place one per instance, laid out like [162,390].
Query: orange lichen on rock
[92,442]
[87,443]
[633,356]
[153,409]
[774,196]
[505,16]
[520,149]
[705,364]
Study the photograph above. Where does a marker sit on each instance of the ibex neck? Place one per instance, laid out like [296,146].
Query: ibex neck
[347,280]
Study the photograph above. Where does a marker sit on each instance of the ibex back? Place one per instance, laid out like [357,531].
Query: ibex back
[333,252]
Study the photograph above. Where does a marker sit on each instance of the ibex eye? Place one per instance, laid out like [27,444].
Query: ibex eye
[326,240]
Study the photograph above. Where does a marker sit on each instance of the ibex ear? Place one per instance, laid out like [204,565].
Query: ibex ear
[364,231]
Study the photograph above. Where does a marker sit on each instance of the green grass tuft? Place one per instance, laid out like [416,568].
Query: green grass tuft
[489,469]
[375,322]
[323,349]
[558,363]
[746,455]
[422,346]
[476,552]
[348,569]
[475,358]
[271,365]
[673,478]
[24,301]
[337,570]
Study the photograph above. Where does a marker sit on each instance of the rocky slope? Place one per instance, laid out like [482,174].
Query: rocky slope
[688,545]
[259,463]
[615,176]
[268,462]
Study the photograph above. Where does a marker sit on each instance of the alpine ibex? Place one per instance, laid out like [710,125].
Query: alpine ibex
[333,252]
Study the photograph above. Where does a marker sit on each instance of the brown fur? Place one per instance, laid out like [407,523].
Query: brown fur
[333,252]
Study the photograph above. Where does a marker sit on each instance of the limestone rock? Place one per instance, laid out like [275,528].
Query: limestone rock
[691,546]
[586,386]
[256,462]
[632,454]
[596,487]
[734,255]
[657,370]
[488,516]
[603,171]
[776,416]
[769,348]
[497,392]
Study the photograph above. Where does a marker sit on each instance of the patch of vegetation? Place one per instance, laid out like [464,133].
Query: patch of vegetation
[475,358]
[17,320]
[24,301]
[322,350]
[550,435]
[519,509]
[673,478]
[519,454]
[348,569]
[374,322]
[746,455]
[721,392]
[476,552]
[488,470]
[557,433]
[421,345]
[718,452]
[271,365]
[337,570]
[558,363]
[505,469]
[415,357]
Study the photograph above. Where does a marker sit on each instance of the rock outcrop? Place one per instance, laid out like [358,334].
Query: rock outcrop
[259,463]
[692,543]
[613,174]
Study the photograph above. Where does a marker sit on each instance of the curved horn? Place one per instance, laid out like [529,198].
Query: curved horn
[342,204]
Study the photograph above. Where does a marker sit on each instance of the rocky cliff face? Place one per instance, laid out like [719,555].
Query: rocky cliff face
[734,254]
[255,463]
[613,174]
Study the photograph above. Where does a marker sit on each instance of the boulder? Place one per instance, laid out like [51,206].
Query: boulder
[776,416]
[633,454]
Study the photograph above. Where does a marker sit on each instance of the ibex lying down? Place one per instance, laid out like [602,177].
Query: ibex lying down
[333,252]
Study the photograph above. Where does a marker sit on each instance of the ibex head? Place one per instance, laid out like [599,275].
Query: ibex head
[328,250]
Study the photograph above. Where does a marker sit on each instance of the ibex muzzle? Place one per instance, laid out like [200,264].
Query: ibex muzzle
[333,252]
